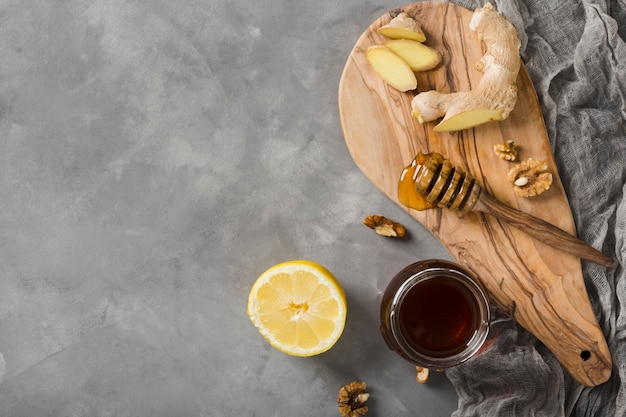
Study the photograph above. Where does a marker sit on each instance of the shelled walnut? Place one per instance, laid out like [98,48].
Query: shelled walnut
[384,226]
[352,398]
[506,150]
[422,374]
[530,178]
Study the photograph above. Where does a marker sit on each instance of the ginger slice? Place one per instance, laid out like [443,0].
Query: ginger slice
[419,56]
[495,96]
[391,68]
[403,26]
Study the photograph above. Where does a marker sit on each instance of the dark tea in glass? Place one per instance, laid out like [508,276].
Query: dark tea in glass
[434,314]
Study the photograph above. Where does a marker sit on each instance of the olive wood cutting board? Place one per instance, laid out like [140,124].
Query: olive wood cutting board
[539,286]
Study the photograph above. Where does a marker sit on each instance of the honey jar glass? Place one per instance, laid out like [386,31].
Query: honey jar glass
[434,314]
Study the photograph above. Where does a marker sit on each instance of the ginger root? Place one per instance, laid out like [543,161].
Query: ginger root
[391,68]
[403,26]
[419,56]
[495,96]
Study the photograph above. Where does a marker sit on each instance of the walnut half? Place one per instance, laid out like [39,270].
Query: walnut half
[384,226]
[530,178]
[422,374]
[506,151]
[352,398]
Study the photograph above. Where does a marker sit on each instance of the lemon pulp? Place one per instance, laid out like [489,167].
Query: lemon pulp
[299,307]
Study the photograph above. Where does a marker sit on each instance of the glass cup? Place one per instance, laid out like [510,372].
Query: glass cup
[434,314]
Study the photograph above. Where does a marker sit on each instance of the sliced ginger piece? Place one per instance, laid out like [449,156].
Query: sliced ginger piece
[495,96]
[419,56]
[469,118]
[461,110]
[391,68]
[403,26]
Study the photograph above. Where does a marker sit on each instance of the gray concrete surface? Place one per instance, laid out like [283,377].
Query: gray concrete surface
[157,157]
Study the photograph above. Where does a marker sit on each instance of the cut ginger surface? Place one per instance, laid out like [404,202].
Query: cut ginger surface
[391,68]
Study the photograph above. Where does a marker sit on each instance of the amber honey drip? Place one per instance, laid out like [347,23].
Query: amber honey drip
[407,191]
[432,181]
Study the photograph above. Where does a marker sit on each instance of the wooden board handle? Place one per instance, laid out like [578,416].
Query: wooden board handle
[542,230]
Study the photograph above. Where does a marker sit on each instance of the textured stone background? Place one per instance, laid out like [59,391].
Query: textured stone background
[157,157]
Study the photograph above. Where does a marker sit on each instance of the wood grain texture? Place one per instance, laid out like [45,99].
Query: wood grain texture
[542,230]
[539,286]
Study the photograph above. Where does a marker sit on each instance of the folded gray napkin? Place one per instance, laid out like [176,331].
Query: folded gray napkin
[575,52]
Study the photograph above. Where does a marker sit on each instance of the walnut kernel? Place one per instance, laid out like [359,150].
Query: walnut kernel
[384,226]
[530,178]
[507,150]
[351,399]
[422,374]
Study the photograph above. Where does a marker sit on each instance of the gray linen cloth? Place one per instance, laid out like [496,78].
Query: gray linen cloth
[575,52]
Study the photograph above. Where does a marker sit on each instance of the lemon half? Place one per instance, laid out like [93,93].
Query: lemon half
[299,307]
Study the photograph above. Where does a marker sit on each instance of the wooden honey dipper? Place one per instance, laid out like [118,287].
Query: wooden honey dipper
[432,181]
